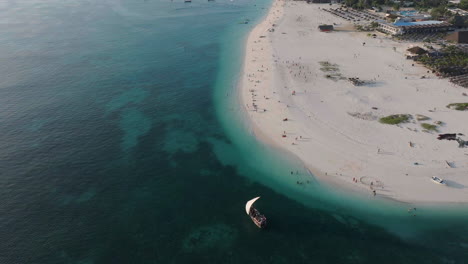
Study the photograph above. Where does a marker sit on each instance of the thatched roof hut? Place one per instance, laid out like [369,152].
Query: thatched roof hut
[416,51]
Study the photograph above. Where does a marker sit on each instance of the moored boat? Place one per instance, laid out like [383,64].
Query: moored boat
[438,180]
[255,215]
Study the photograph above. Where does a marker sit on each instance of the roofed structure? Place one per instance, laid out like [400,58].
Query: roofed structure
[402,27]
[458,37]
[319,1]
[417,50]
[325,27]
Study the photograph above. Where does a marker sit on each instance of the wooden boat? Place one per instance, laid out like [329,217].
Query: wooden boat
[255,215]
[438,180]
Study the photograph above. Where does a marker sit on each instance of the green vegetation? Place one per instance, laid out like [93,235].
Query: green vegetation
[458,106]
[452,61]
[419,4]
[395,119]
[422,117]
[334,76]
[426,4]
[440,12]
[459,21]
[422,5]
[429,127]
[328,67]
[463,4]
[332,70]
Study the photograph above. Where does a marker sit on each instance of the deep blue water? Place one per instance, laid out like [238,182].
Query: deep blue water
[116,148]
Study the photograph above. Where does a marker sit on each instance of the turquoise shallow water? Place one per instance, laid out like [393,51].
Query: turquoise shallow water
[121,143]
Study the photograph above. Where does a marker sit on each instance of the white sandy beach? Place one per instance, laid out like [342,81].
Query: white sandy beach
[332,126]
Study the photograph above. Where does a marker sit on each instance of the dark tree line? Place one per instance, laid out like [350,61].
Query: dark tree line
[421,4]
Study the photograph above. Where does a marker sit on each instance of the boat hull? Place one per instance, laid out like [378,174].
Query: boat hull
[438,180]
[258,219]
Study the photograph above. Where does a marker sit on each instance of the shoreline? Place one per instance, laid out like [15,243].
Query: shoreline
[264,82]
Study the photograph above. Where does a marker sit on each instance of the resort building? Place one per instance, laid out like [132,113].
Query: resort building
[403,3]
[458,11]
[408,15]
[413,15]
[460,37]
[402,27]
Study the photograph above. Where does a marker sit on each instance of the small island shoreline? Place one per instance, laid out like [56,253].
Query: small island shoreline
[297,92]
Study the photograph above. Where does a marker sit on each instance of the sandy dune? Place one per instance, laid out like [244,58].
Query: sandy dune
[333,125]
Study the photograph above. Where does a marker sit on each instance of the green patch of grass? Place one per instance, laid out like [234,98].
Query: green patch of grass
[458,106]
[395,119]
[332,70]
[328,67]
[429,127]
[333,75]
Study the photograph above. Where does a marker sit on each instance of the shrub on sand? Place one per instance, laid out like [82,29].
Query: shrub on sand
[395,119]
[458,106]
[429,127]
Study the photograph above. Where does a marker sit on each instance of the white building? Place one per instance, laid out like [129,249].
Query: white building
[402,27]
[459,11]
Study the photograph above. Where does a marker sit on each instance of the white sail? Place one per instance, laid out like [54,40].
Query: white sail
[250,203]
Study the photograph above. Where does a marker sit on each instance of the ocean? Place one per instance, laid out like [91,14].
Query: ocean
[122,141]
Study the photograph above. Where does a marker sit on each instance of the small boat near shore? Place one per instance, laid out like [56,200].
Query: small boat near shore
[438,180]
[255,215]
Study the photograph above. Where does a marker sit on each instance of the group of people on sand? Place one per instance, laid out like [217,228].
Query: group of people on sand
[412,210]
[296,69]
[371,186]
[300,182]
